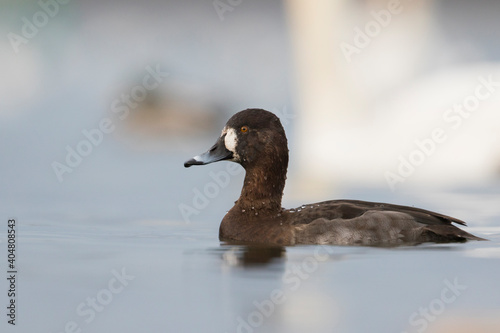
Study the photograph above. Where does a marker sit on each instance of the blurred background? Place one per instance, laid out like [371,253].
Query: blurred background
[101,102]
[360,87]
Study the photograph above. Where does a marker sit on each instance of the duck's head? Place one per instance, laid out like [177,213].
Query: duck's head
[251,137]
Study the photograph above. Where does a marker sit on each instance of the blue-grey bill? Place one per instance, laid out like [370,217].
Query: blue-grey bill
[218,152]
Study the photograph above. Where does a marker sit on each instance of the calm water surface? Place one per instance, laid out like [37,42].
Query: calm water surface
[108,251]
[157,276]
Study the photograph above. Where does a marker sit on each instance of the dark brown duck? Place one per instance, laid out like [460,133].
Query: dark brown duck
[256,140]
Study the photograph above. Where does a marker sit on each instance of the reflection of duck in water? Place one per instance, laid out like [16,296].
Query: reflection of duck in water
[252,255]
[256,140]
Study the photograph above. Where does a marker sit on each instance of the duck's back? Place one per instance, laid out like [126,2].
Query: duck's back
[351,222]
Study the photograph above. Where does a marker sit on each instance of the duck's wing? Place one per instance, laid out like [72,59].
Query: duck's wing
[369,223]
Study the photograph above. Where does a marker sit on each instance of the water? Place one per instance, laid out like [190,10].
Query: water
[179,277]
[109,250]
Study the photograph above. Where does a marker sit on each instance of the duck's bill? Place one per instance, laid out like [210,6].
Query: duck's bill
[218,152]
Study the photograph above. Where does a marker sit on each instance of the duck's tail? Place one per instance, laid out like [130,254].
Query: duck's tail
[448,233]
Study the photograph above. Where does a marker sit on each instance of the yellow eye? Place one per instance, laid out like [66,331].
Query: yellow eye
[244,129]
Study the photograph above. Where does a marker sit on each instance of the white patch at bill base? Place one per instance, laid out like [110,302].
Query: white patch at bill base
[231,140]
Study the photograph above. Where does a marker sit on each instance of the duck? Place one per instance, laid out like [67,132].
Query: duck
[255,139]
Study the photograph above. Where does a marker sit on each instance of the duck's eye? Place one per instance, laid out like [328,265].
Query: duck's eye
[244,129]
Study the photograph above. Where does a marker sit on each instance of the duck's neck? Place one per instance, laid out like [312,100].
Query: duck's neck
[263,188]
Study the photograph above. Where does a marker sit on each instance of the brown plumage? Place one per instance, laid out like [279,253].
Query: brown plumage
[256,140]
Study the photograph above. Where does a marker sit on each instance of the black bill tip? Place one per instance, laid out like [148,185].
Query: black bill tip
[192,162]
